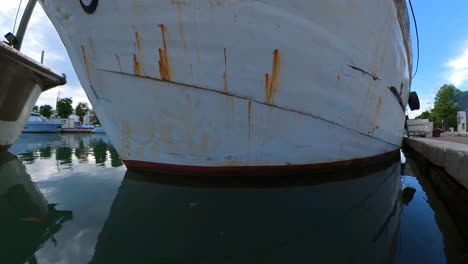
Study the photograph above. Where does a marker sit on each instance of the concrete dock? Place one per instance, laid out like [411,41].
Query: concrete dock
[447,152]
[444,162]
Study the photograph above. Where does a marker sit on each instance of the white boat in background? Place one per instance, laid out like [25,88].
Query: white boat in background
[38,124]
[22,80]
[232,87]
[98,130]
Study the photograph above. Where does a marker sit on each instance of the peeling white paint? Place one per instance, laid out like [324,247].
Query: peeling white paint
[289,58]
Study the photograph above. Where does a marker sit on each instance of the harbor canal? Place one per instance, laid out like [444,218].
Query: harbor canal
[69,199]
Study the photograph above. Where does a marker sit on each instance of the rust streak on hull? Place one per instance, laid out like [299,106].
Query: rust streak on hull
[138,42]
[374,124]
[251,99]
[86,63]
[272,82]
[250,118]
[198,56]
[181,24]
[91,43]
[164,63]
[117,57]
[191,71]
[225,75]
[138,69]
[267,85]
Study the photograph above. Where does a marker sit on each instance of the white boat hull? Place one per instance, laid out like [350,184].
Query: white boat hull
[209,85]
[10,130]
[98,130]
[41,127]
[21,82]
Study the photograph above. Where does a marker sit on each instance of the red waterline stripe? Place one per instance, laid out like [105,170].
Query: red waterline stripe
[282,170]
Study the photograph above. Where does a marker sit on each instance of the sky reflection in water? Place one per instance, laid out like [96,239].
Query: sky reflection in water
[109,215]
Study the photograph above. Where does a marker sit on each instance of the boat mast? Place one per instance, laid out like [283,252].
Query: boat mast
[24,24]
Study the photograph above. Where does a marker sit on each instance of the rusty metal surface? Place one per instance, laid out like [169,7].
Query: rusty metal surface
[237,83]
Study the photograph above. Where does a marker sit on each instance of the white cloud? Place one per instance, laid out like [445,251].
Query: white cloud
[50,97]
[42,36]
[458,68]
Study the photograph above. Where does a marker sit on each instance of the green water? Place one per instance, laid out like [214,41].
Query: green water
[69,199]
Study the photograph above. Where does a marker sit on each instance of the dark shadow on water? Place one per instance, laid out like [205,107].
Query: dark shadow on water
[436,212]
[349,221]
[372,217]
[27,220]
[381,215]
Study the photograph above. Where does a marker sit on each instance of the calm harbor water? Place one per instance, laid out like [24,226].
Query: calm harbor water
[69,199]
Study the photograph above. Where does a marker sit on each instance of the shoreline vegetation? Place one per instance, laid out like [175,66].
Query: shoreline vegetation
[448,101]
[64,110]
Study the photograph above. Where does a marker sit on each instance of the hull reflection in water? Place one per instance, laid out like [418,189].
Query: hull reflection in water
[348,221]
[27,221]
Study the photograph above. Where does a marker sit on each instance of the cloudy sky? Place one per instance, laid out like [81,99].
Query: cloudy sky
[443,32]
[40,36]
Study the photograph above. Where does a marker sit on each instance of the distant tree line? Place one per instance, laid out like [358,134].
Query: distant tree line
[448,101]
[65,109]
[45,110]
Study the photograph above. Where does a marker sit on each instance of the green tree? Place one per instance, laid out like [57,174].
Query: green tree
[35,109]
[64,107]
[45,110]
[444,114]
[81,110]
[424,115]
[463,101]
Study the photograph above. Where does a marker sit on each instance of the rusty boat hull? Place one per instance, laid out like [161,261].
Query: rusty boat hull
[22,80]
[231,87]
